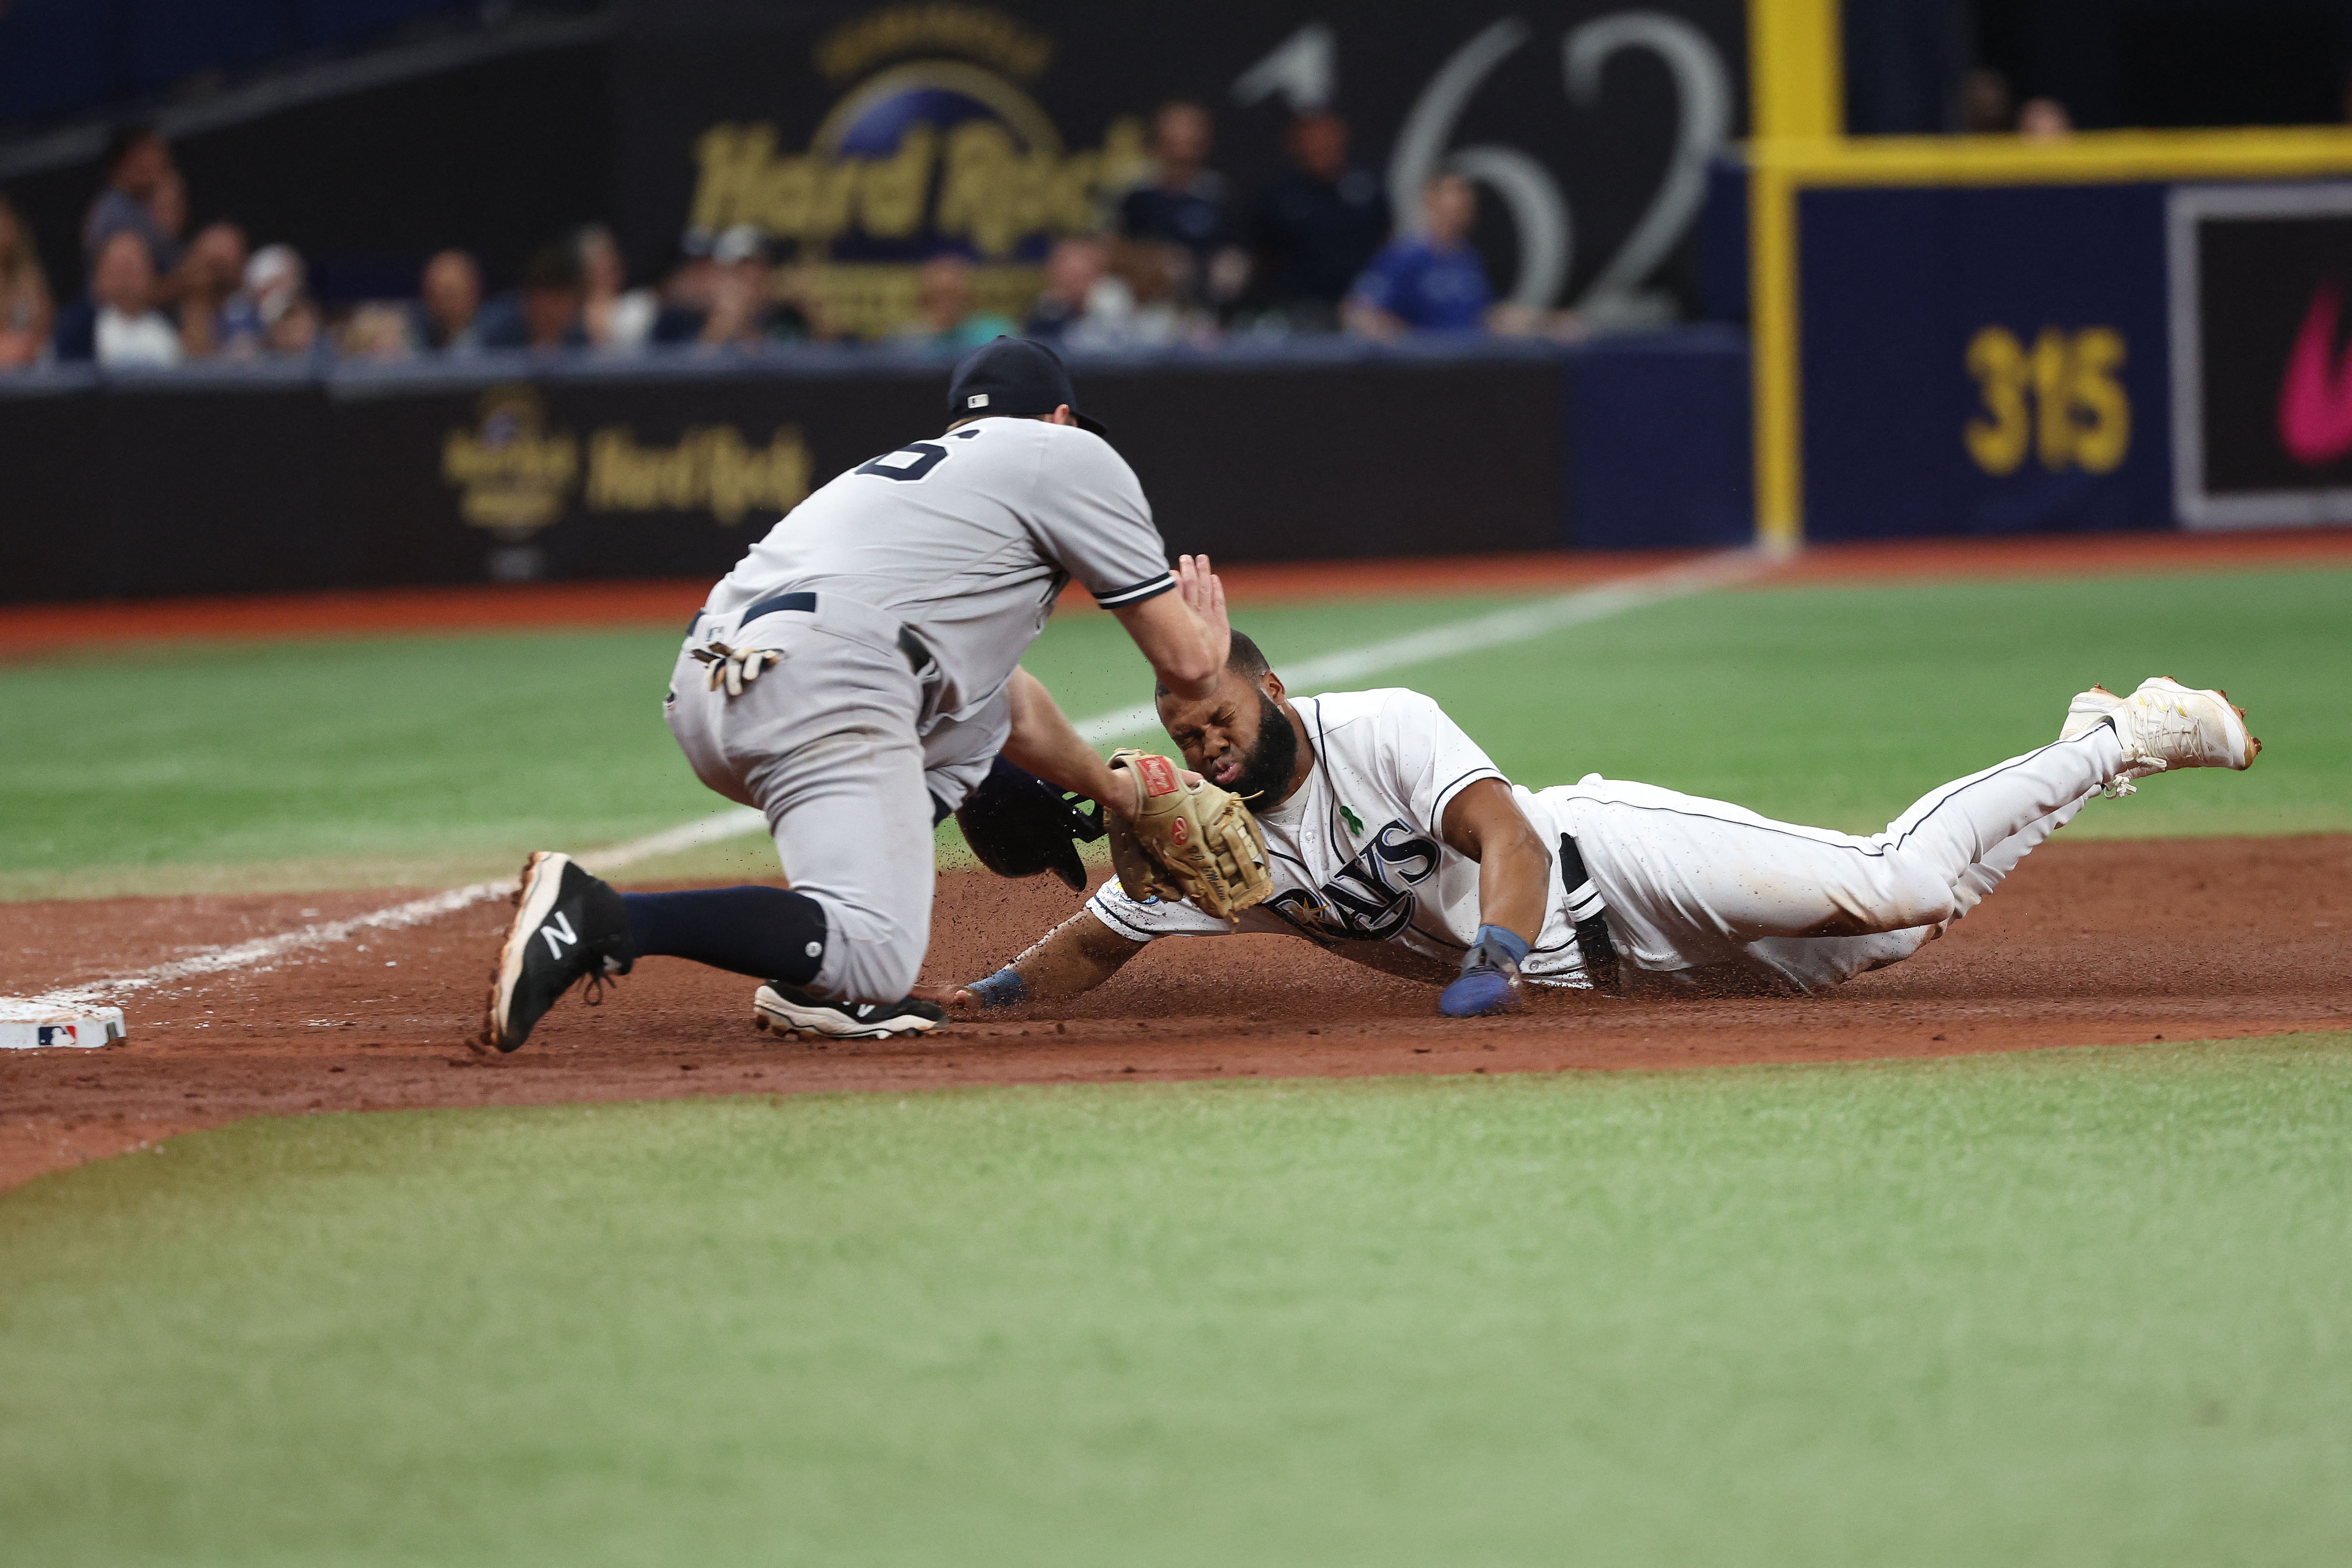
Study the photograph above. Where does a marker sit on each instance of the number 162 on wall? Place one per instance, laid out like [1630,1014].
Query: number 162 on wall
[2059,400]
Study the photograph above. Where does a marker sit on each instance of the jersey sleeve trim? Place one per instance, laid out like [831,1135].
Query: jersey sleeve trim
[1134,592]
[1445,796]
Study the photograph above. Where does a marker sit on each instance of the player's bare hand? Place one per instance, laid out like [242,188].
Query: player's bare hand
[1202,588]
[1203,594]
[945,996]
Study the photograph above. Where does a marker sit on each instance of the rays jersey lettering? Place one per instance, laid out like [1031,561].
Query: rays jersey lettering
[1391,895]
[1371,899]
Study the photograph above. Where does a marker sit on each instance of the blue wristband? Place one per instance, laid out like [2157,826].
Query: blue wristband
[1504,940]
[1004,988]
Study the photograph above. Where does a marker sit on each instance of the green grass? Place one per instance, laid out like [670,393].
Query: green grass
[1839,706]
[345,755]
[427,759]
[2069,1308]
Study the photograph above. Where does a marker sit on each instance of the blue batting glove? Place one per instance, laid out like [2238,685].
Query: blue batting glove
[1490,976]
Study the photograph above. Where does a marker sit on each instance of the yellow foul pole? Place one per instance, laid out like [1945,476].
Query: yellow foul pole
[1797,102]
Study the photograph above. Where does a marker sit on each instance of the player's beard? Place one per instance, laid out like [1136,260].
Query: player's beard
[1266,771]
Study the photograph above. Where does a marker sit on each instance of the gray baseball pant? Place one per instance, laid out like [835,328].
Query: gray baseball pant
[835,746]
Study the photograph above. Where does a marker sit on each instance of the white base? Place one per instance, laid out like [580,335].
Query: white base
[34,1026]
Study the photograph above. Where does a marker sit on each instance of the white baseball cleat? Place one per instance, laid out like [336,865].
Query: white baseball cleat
[2088,711]
[2165,725]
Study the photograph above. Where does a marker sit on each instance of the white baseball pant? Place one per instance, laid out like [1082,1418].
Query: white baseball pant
[1691,884]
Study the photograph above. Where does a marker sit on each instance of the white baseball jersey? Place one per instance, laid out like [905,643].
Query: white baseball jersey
[1359,859]
[967,539]
[1687,884]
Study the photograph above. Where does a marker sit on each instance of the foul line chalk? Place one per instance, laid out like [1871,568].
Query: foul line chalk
[1518,624]
[416,912]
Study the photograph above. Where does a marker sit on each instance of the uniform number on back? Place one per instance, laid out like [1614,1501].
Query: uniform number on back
[907,464]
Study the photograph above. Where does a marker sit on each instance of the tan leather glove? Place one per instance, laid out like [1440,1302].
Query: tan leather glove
[1187,841]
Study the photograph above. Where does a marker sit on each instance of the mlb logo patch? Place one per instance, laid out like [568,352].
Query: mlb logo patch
[977,399]
[59,1034]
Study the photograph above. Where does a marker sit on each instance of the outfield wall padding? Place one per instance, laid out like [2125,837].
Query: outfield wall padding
[269,478]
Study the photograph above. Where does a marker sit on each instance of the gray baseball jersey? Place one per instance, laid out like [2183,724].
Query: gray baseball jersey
[968,538]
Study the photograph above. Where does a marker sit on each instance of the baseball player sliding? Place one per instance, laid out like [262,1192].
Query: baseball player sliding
[856,676]
[1394,841]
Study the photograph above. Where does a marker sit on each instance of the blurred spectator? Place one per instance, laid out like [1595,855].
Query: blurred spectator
[295,330]
[1108,295]
[119,325]
[1317,224]
[1142,301]
[1073,271]
[1987,106]
[618,318]
[742,306]
[169,207]
[686,298]
[376,330]
[2044,120]
[275,277]
[278,298]
[544,313]
[25,313]
[444,320]
[215,319]
[1185,206]
[1428,282]
[137,164]
[798,305]
[944,317]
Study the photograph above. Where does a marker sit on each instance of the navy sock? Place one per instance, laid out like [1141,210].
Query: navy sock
[769,932]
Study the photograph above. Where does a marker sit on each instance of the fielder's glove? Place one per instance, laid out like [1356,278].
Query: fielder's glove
[735,668]
[1187,841]
[1489,982]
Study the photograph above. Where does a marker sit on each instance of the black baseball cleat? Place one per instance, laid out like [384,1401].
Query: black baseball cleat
[568,927]
[791,1012]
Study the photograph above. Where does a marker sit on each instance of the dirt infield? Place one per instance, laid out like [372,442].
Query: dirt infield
[31,630]
[2090,943]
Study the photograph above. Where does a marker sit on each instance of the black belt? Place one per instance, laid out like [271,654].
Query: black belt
[1592,938]
[801,599]
[918,658]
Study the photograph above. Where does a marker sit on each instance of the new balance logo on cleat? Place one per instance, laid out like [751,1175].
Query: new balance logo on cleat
[558,931]
[791,1012]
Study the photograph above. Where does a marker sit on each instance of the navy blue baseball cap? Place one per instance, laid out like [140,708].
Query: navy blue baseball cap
[1013,376]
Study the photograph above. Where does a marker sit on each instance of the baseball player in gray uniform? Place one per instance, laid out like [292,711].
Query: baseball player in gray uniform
[855,677]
